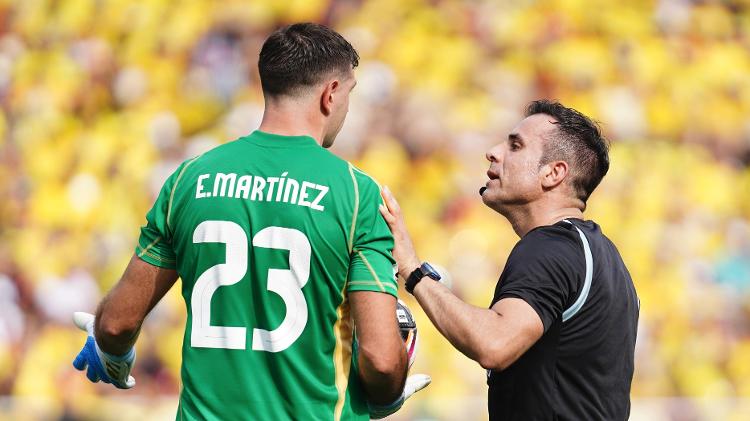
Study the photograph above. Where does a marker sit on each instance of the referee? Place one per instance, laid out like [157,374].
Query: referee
[558,338]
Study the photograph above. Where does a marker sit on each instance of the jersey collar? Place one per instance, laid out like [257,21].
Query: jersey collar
[276,140]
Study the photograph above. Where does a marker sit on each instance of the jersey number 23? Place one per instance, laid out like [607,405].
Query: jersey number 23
[287,283]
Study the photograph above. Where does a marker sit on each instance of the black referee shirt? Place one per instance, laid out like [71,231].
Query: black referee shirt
[582,366]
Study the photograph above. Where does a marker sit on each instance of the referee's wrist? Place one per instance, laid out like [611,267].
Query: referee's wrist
[425,270]
[406,270]
[414,288]
[406,273]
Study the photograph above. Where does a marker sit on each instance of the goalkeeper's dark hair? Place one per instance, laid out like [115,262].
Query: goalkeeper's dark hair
[578,141]
[301,55]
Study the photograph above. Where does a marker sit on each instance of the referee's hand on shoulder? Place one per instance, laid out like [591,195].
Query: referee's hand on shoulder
[403,248]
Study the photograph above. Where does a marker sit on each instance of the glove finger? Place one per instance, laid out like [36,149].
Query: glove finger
[92,374]
[415,383]
[129,383]
[80,362]
[84,321]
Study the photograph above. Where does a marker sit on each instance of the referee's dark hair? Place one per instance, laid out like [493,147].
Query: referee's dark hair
[579,142]
[301,55]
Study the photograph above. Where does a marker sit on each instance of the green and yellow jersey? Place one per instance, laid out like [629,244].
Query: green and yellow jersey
[268,234]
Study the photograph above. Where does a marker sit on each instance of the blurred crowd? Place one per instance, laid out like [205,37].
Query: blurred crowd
[102,99]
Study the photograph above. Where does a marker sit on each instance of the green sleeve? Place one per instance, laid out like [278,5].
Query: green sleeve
[372,265]
[155,242]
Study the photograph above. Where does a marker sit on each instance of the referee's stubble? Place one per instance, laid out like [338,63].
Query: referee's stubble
[515,176]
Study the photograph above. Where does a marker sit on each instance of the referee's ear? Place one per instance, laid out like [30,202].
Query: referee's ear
[553,173]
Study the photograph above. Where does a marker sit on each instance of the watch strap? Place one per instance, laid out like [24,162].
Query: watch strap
[424,270]
[413,279]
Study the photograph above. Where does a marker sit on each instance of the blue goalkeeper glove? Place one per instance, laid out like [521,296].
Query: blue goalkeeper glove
[102,366]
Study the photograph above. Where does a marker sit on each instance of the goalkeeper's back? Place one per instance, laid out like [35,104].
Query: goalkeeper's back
[269,233]
[275,240]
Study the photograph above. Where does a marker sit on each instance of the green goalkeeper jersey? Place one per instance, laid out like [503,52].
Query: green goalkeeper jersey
[268,234]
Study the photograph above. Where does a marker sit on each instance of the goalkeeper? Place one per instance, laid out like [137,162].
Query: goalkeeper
[283,256]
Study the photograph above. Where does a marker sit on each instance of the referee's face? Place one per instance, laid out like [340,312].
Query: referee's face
[515,177]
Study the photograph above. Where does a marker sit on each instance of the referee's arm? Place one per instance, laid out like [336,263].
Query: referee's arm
[494,337]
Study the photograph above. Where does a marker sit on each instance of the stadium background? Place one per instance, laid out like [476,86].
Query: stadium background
[102,99]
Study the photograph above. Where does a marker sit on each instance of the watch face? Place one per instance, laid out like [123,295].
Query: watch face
[430,271]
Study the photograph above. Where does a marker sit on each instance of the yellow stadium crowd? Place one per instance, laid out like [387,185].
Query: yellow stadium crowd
[103,99]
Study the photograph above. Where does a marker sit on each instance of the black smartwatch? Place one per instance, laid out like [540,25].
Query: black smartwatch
[424,270]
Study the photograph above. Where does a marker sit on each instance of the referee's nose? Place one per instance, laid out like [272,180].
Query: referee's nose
[493,154]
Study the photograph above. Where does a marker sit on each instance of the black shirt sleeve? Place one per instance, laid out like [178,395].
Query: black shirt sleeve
[546,269]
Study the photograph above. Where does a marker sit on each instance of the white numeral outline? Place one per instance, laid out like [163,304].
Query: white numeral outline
[287,283]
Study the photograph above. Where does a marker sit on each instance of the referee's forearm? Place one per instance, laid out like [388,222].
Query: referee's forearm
[468,328]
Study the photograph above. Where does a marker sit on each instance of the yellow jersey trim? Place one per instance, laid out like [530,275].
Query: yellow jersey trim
[372,271]
[356,208]
[386,285]
[144,250]
[342,353]
[174,188]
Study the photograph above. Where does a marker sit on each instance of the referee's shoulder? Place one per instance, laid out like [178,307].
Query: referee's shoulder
[549,240]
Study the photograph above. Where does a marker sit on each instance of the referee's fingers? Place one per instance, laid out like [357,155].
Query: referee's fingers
[390,201]
[389,218]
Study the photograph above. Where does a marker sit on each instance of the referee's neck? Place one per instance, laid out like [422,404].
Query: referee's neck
[526,219]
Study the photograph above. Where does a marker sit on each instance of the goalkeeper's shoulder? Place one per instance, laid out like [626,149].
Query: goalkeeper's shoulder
[367,186]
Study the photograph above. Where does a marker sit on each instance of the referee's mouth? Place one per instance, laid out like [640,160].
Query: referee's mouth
[492,176]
